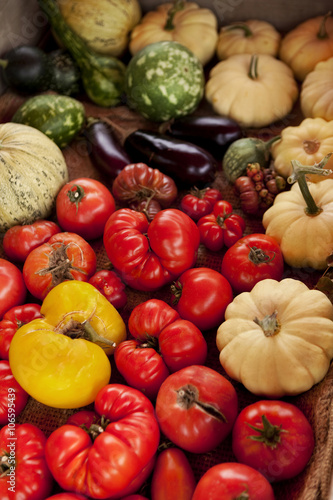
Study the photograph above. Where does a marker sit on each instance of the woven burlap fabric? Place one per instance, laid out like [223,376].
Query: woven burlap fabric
[314,482]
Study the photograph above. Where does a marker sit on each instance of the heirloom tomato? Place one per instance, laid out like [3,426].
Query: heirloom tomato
[112,459]
[19,240]
[163,343]
[172,473]
[196,408]
[230,481]
[66,496]
[61,359]
[201,295]
[83,206]
[24,472]
[111,286]
[134,497]
[200,202]
[65,256]
[12,397]
[13,290]
[252,258]
[221,227]
[273,437]
[151,254]
[12,320]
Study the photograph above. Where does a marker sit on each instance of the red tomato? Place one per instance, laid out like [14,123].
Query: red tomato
[273,437]
[148,360]
[12,320]
[134,497]
[23,464]
[201,295]
[83,206]
[12,397]
[111,286]
[196,408]
[251,259]
[150,255]
[114,459]
[172,473]
[66,256]
[66,496]
[13,290]
[200,202]
[230,481]
[20,240]
[221,227]
[83,418]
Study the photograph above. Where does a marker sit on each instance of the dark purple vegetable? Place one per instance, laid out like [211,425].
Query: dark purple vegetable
[106,152]
[185,162]
[213,133]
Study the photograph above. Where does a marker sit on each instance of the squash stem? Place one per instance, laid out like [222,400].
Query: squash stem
[177,5]
[3,63]
[299,174]
[239,26]
[322,33]
[253,70]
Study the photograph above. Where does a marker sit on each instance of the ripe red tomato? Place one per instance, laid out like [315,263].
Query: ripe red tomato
[162,343]
[19,240]
[134,497]
[83,206]
[113,459]
[201,295]
[12,397]
[221,227]
[111,286]
[229,480]
[200,202]
[13,290]
[251,259]
[66,496]
[150,255]
[12,320]
[23,461]
[196,408]
[66,256]
[172,473]
[273,437]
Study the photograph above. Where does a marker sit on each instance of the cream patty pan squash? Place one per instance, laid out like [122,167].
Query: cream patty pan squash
[103,25]
[182,22]
[316,97]
[253,90]
[277,339]
[248,37]
[32,171]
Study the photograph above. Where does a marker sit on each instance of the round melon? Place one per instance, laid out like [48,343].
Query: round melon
[164,80]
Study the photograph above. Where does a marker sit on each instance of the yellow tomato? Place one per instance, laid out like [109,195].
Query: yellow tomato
[61,360]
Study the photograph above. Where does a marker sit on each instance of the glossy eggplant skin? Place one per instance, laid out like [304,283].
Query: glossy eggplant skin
[213,133]
[105,150]
[186,163]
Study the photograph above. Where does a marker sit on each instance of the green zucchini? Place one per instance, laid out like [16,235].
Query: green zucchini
[102,76]
[244,151]
[59,117]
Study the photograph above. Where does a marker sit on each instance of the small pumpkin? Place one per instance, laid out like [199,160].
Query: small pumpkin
[316,97]
[253,90]
[307,44]
[301,220]
[248,37]
[277,339]
[307,143]
[32,171]
[183,22]
[103,25]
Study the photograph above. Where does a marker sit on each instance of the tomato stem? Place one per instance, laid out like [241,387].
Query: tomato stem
[258,256]
[188,395]
[269,434]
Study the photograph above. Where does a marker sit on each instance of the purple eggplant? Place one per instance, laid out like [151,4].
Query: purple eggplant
[213,133]
[106,152]
[185,162]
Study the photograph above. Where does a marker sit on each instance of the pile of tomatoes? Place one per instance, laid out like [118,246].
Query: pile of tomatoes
[137,439]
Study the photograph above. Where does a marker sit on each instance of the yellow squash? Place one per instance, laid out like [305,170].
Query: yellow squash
[249,37]
[307,44]
[182,22]
[316,97]
[277,339]
[253,90]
